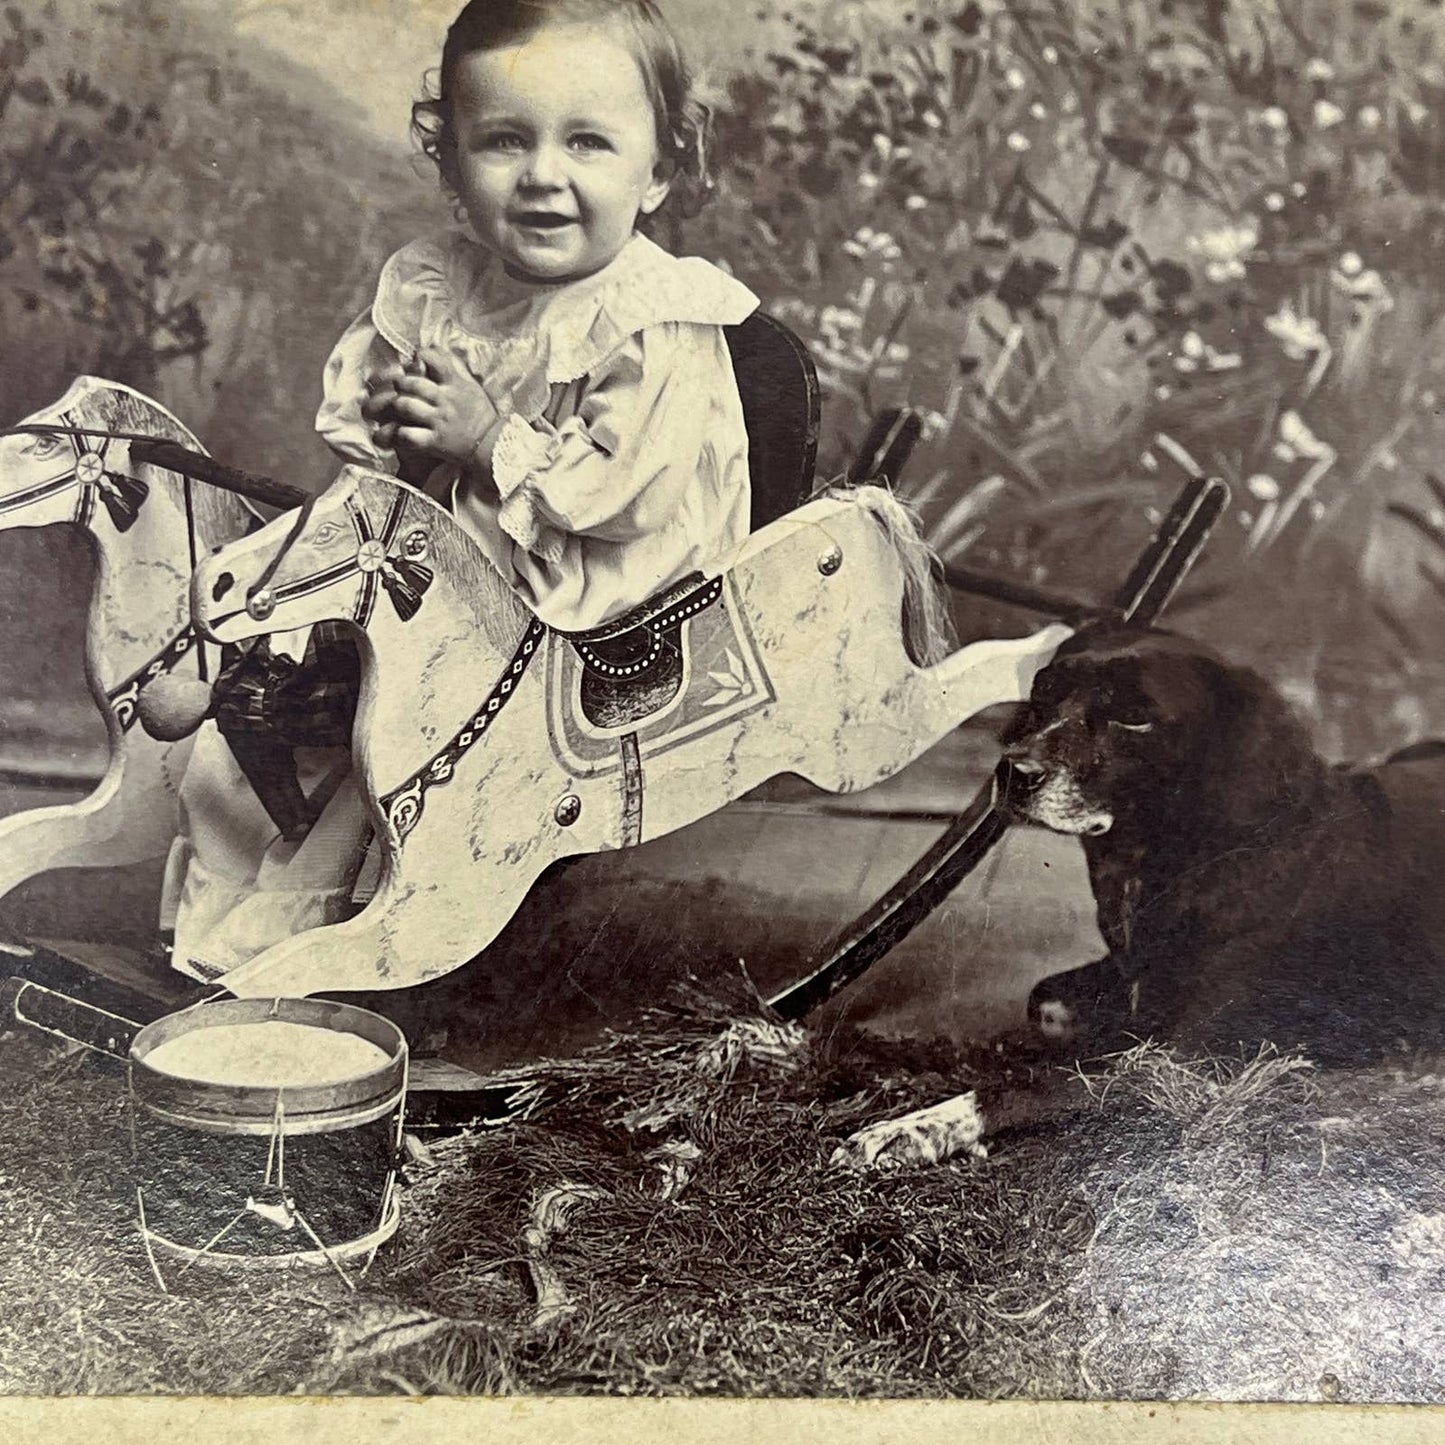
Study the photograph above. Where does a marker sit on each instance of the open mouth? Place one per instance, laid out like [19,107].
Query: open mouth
[542,220]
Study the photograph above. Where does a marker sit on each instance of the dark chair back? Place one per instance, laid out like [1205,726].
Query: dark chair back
[779,390]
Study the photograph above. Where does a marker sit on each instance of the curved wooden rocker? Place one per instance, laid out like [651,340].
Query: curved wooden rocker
[83,461]
[491,746]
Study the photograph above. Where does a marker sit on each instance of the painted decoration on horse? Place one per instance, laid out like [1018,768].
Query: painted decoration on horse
[483,768]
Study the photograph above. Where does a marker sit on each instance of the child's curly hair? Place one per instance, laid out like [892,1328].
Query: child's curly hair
[684,122]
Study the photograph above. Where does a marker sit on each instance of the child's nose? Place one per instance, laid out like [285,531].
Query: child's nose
[546,169]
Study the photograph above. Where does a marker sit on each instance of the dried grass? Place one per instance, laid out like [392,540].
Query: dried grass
[662,1220]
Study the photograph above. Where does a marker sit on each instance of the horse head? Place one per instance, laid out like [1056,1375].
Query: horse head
[363,546]
[70,461]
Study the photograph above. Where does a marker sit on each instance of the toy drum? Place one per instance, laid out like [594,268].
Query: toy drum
[267,1131]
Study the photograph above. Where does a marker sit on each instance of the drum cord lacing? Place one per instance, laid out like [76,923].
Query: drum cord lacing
[280,1208]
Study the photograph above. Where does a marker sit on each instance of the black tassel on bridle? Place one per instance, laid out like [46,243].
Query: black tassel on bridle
[406,583]
[123,497]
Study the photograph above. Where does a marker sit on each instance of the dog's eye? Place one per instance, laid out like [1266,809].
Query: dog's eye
[1131,727]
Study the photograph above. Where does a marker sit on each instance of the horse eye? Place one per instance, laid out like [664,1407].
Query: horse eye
[1131,727]
[44,446]
[326,532]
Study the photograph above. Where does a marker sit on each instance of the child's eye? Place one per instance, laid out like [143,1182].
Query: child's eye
[591,141]
[501,140]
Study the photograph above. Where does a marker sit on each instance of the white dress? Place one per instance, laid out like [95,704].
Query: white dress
[621,461]
[619,465]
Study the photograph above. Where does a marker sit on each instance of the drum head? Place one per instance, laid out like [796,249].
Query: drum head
[232,1065]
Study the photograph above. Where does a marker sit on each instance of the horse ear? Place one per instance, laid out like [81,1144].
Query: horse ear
[1260,765]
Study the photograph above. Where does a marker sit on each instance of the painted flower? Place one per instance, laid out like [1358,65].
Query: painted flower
[839,319]
[1363,285]
[1196,354]
[1369,117]
[1297,440]
[1273,201]
[1317,69]
[934,424]
[1224,250]
[1191,352]
[1019,142]
[731,680]
[1262,488]
[1327,114]
[1299,336]
[1274,117]
[866,243]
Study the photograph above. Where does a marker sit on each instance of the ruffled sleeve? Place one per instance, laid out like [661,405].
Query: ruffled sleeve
[618,469]
[361,351]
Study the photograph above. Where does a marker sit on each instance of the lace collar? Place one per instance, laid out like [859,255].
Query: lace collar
[443,282]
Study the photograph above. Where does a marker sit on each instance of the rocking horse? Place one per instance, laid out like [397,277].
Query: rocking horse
[490,746]
[76,462]
[493,746]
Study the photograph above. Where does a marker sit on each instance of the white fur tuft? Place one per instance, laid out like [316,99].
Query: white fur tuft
[927,626]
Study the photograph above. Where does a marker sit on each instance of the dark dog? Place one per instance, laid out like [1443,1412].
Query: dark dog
[1246,890]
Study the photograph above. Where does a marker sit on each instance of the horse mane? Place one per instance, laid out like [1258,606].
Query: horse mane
[928,632]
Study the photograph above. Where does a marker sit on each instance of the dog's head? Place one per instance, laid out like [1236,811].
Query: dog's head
[1124,724]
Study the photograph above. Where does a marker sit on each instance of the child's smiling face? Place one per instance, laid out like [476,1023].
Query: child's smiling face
[556,150]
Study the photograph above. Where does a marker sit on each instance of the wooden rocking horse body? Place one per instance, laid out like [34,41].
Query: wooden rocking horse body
[149,525]
[491,746]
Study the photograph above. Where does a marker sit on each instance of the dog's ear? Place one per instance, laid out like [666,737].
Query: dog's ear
[1258,765]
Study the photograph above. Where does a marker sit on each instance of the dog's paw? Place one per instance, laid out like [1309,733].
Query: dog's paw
[926,1136]
[1055,1020]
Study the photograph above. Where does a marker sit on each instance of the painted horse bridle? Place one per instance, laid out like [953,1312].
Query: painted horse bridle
[122,495]
[401,573]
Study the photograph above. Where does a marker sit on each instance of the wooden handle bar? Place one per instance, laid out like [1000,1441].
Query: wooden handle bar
[176,458]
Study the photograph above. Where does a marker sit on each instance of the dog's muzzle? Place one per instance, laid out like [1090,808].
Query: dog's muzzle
[1034,793]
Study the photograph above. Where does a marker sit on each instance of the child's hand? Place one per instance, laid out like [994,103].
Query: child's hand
[381,395]
[434,408]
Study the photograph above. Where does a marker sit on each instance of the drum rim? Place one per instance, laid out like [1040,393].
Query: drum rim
[338,1253]
[308,1108]
[179,1113]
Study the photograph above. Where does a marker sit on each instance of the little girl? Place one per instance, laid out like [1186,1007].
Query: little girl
[550,374]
